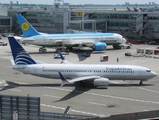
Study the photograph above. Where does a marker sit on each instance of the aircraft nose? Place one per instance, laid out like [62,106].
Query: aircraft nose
[123,40]
[154,74]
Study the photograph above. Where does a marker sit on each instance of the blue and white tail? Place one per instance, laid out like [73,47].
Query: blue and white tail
[27,29]
[20,56]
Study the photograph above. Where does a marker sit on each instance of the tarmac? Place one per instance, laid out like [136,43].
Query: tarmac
[117,98]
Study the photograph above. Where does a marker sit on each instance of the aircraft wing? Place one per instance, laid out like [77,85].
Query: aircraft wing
[77,79]
[88,43]
[83,78]
[82,42]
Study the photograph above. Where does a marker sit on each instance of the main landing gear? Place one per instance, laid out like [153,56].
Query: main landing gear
[42,50]
[141,83]
[82,84]
[116,47]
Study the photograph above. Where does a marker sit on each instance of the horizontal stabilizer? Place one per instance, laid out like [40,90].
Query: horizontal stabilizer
[39,62]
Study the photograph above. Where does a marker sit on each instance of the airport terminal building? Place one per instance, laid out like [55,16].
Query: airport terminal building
[137,25]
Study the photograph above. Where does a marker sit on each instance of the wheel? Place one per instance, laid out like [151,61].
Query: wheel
[40,49]
[119,47]
[114,46]
[141,83]
[43,50]
[128,47]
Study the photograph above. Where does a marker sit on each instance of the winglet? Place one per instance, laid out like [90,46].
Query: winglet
[64,60]
[62,56]
[63,79]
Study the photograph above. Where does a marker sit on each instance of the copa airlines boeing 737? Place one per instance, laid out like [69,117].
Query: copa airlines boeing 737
[98,74]
[97,41]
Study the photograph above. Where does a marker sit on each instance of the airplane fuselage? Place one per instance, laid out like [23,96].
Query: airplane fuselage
[70,71]
[50,40]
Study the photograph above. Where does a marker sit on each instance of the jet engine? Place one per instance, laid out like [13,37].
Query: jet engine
[99,46]
[101,82]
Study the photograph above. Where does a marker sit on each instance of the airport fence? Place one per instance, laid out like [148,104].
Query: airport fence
[42,116]
[145,115]
[28,108]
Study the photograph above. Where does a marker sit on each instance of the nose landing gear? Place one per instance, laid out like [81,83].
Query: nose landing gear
[42,50]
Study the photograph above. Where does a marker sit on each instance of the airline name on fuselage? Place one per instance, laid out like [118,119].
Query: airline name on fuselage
[128,69]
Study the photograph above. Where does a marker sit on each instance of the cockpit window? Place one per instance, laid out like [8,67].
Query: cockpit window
[148,70]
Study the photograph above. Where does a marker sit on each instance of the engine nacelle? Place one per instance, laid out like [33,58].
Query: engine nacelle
[99,46]
[101,82]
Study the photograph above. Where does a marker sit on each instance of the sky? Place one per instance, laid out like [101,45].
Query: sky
[77,2]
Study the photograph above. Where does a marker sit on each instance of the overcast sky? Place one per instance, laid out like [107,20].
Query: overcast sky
[49,2]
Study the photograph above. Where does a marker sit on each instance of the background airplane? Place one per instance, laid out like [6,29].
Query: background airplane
[128,9]
[97,41]
[99,75]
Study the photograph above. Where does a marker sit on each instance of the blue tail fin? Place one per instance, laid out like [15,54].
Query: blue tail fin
[27,29]
[20,56]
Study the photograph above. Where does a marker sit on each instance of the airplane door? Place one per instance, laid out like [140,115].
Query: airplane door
[35,71]
[44,40]
[51,41]
[141,73]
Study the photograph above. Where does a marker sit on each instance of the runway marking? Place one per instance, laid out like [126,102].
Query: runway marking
[73,110]
[56,88]
[97,104]
[22,83]
[102,95]
[15,90]
[1,82]
[149,90]
[109,96]
[51,96]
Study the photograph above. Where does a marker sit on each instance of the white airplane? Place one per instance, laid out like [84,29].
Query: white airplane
[98,74]
[97,41]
